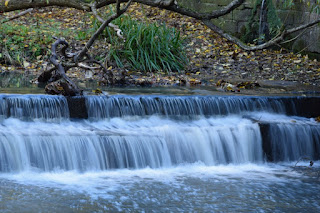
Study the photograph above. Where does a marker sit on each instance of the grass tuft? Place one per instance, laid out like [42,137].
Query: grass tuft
[148,47]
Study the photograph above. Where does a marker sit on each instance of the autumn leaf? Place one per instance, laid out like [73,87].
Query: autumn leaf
[6,3]
[97,91]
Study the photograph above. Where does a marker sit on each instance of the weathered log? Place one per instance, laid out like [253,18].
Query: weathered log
[60,83]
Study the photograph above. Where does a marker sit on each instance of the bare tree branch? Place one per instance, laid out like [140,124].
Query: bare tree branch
[101,28]
[115,27]
[26,4]
[270,43]
[170,5]
[78,4]
[16,16]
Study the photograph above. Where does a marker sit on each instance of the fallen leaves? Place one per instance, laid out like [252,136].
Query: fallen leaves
[211,57]
[226,86]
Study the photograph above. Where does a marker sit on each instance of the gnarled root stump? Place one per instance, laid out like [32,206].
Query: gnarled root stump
[58,83]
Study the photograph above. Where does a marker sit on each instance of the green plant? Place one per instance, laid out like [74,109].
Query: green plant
[251,33]
[147,46]
[22,42]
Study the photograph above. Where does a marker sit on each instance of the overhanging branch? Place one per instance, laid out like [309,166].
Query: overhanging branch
[115,27]
[16,16]
[78,4]
[118,13]
[184,11]
[276,40]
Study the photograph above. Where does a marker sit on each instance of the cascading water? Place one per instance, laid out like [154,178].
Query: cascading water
[100,107]
[152,142]
[30,107]
[154,153]
[291,140]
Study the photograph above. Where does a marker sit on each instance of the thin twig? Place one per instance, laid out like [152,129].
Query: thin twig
[17,16]
[276,40]
[115,27]
[101,29]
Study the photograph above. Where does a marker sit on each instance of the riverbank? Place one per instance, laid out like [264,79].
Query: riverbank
[212,59]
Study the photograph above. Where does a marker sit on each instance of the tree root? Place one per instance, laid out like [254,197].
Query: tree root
[58,83]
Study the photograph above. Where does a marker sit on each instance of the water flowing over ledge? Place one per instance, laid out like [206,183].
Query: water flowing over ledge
[146,152]
[120,144]
[45,107]
[30,107]
[100,107]
[150,131]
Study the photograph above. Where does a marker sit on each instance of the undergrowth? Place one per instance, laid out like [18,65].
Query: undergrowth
[147,47]
[20,42]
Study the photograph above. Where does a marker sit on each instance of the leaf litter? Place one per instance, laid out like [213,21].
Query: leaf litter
[213,61]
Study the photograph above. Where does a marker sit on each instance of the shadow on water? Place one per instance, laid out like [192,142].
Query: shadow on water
[19,83]
[11,82]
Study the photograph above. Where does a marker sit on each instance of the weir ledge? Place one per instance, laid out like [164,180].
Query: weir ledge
[308,107]
[294,106]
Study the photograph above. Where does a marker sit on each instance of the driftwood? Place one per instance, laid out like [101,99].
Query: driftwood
[59,82]
[56,78]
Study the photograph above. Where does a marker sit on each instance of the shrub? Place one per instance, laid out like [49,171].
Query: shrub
[147,47]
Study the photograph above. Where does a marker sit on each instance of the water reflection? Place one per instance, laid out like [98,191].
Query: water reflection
[11,82]
[21,83]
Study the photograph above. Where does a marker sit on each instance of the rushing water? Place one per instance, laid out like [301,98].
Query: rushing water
[147,153]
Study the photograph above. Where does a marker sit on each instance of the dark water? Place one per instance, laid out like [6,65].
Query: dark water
[17,83]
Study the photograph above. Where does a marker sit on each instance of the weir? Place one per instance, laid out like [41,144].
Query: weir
[96,133]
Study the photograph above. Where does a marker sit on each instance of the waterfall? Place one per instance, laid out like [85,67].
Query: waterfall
[263,22]
[291,141]
[29,107]
[100,107]
[148,131]
[152,142]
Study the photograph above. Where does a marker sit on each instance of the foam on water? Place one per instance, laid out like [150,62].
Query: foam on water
[181,188]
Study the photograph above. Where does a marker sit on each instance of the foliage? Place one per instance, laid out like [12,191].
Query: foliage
[23,42]
[148,47]
[313,5]
[251,33]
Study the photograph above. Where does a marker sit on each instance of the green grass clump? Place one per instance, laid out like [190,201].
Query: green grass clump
[147,47]
[19,42]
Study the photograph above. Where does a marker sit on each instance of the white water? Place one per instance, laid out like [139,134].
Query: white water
[127,143]
[149,155]
[191,187]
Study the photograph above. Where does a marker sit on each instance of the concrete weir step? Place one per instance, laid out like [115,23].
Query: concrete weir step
[77,107]
[294,129]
